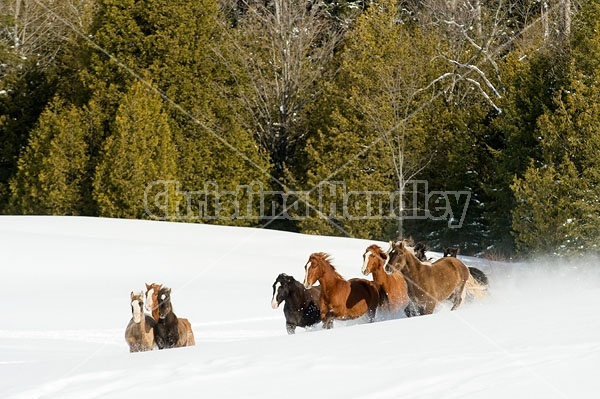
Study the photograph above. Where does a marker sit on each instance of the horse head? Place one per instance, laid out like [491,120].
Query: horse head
[281,288]
[372,256]
[314,268]
[397,256]
[151,296]
[137,306]
[164,302]
[420,250]
[451,251]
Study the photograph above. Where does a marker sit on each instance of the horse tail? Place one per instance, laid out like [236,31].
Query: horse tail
[186,333]
[474,288]
[479,276]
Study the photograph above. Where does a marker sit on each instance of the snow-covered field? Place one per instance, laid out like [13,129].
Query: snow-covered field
[65,305]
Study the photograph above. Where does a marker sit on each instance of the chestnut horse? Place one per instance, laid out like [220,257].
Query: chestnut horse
[171,331]
[139,333]
[428,284]
[340,299]
[151,296]
[393,292]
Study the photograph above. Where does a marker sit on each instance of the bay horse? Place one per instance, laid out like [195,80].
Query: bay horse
[393,291]
[340,298]
[171,331]
[151,296]
[428,284]
[139,333]
[301,307]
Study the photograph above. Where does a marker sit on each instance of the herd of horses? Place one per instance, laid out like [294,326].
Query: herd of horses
[404,281]
[162,328]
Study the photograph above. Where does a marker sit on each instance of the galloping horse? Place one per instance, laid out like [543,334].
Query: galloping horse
[301,305]
[139,333]
[393,294]
[428,284]
[171,331]
[340,299]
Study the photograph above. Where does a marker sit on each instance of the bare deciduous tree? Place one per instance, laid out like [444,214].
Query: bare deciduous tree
[279,52]
[40,29]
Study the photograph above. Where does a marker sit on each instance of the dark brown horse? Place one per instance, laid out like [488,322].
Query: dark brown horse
[171,331]
[301,305]
[139,333]
[428,284]
[393,294]
[340,299]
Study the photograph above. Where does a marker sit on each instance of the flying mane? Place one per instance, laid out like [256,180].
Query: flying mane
[327,259]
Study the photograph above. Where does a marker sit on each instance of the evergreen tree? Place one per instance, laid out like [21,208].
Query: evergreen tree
[558,207]
[52,171]
[139,153]
[376,137]
[175,43]
[532,75]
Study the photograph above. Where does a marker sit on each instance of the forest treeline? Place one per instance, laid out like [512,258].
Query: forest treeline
[305,112]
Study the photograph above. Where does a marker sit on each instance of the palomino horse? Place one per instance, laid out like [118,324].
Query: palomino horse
[476,284]
[428,284]
[151,296]
[171,331]
[139,333]
[393,292]
[340,299]
[301,305]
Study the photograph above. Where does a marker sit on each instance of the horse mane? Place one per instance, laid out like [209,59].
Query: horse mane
[408,244]
[374,247]
[326,258]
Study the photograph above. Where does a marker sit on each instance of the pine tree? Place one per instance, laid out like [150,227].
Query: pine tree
[52,172]
[139,153]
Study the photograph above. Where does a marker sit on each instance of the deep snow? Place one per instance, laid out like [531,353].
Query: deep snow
[65,305]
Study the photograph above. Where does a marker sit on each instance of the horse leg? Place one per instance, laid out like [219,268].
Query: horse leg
[411,310]
[328,321]
[291,328]
[459,294]
[371,314]
[428,308]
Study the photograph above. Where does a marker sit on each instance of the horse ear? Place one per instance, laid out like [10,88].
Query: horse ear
[148,286]
[131,295]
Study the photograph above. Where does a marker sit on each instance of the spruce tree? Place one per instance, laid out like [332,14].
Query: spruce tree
[174,43]
[139,153]
[52,172]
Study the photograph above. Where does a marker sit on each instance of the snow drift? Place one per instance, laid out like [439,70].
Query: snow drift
[66,284]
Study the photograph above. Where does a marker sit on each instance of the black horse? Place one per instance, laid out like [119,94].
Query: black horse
[301,305]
